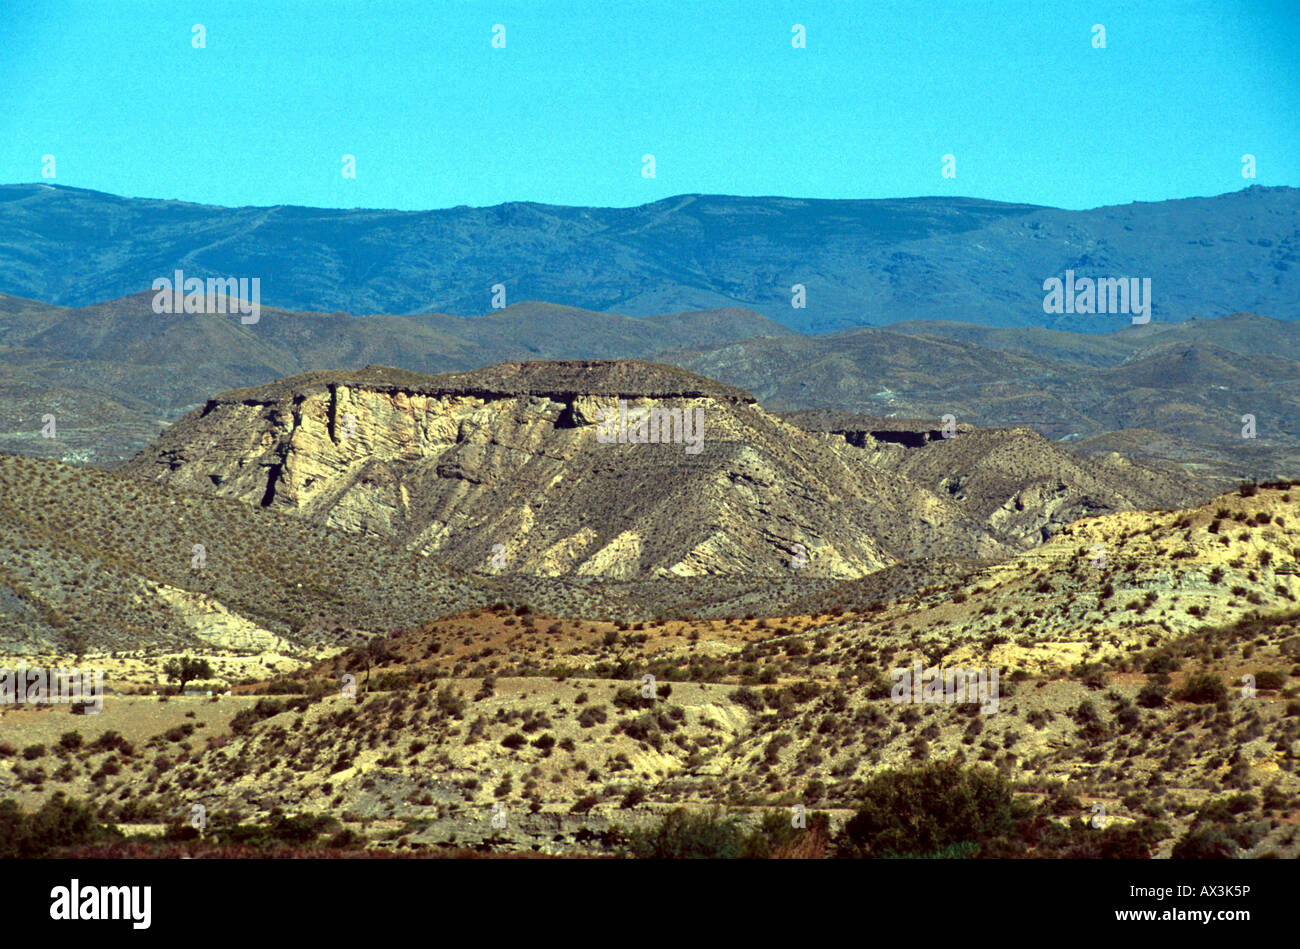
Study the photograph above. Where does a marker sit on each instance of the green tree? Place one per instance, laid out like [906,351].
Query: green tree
[186,669]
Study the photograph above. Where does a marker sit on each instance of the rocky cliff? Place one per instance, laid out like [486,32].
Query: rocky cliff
[503,470]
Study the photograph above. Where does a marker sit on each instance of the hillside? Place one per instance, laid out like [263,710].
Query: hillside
[1013,479]
[1123,729]
[102,562]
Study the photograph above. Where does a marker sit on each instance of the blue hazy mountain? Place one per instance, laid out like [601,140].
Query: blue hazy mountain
[861,262]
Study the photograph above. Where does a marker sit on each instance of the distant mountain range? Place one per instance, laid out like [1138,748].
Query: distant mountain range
[861,262]
[114,374]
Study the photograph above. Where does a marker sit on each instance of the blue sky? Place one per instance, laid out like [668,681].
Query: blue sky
[437,117]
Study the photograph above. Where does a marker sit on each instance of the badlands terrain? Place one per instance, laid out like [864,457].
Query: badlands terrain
[440,616]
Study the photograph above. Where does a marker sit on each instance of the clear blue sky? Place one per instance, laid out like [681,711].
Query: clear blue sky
[437,117]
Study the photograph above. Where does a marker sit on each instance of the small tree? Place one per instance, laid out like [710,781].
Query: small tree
[77,642]
[186,669]
[374,653]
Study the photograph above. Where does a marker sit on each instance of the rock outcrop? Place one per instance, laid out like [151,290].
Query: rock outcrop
[504,469]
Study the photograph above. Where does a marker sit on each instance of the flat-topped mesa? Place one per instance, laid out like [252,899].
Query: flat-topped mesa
[621,470]
[287,442]
[856,429]
[562,381]
[612,469]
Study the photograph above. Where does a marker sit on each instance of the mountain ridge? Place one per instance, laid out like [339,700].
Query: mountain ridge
[862,261]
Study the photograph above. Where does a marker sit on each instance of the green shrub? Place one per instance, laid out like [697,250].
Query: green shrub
[1131,841]
[1079,840]
[749,699]
[776,831]
[244,720]
[347,839]
[631,698]
[301,828]
[60,822]
[634,796]
[109,741]
[1224,809]
[1160,662]
[683,835]
[925,809]
[1269,679]
[1152,696]
[1205,843]
[1203,689]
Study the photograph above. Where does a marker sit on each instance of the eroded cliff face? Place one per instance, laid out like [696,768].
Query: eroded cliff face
[514,478]
[1019,485]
